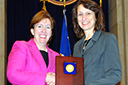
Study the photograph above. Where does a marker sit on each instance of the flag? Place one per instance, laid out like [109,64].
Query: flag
[65,44]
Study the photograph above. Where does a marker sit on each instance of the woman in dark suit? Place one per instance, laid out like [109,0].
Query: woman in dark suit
[102,65]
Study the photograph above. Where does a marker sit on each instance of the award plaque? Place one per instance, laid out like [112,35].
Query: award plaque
[69,71]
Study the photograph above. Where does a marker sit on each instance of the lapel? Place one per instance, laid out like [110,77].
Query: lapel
[51,58]
[93,40]
[36,54]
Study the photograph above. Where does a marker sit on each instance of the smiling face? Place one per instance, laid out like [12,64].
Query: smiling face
[42,32]
[86,18]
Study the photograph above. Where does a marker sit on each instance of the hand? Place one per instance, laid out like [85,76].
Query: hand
[50,78]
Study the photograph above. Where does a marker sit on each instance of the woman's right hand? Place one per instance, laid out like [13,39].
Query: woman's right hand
[50,78]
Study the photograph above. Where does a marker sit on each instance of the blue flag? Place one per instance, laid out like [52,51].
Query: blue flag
[65,44]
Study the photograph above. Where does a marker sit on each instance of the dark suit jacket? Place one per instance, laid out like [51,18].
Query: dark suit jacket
[102,64]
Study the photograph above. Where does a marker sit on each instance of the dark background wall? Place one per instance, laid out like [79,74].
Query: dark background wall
[20,13]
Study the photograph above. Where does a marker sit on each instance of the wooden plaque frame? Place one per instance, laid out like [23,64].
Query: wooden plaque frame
[69,79]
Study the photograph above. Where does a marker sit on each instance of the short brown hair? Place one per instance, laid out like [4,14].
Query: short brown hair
[38,17]
[93,6]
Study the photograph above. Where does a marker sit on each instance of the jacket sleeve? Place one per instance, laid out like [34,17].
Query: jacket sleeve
[16,67]
[112,63]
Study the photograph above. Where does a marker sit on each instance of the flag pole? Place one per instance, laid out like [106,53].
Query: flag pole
[64,4]
[65,44]
[64,10]
[100,3]
[44,7]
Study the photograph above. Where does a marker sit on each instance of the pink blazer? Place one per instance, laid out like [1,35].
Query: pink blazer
[26,65]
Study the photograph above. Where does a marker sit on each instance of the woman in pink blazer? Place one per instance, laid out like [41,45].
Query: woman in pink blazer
[33,62]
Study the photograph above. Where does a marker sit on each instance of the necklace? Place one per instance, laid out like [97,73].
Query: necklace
[85,43]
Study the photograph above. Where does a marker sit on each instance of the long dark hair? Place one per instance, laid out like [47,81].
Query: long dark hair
[93,6]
